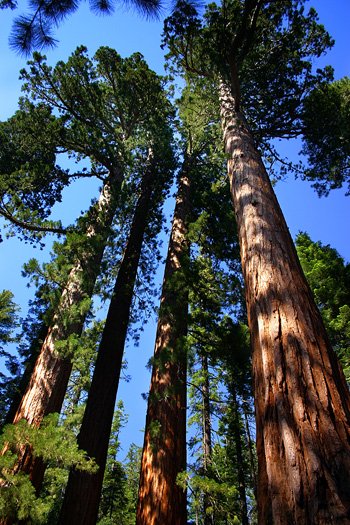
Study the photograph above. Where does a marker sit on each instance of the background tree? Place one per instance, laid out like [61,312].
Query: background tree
[217,479]
[327,141]
[8,323]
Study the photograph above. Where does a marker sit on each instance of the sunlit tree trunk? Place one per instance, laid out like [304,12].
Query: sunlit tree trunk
[161,501]
[301,398]
[48,382]
[83,490]
[25,378]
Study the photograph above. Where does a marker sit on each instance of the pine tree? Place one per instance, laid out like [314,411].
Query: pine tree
[326,136]
[8,325]
[34,30]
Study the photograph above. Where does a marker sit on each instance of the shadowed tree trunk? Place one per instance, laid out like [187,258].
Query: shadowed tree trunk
[161,501]
[207,441]
[83,490]
[237,436]
[301,398]
[48,382]
[250,445]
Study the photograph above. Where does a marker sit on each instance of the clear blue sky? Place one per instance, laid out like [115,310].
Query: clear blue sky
[326,219]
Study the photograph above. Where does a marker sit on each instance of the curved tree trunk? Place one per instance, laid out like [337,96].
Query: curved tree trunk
[48,382]
[301,398]
[83,492]
[161,501]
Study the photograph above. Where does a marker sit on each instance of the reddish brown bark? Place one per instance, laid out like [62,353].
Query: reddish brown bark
[301,398]
[49,379]
[83,490]
[161,501]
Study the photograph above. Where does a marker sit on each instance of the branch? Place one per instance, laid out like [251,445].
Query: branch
[31,227]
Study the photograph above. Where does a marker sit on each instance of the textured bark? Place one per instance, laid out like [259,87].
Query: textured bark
[161,501]
[25,378]
[83,490]
[48,382]
[301,398]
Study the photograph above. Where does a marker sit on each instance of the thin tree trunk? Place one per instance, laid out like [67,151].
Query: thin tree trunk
[161,501]
[207,441]
[49,379]
[252,462]
[301,399]
[83,492]
[237,436]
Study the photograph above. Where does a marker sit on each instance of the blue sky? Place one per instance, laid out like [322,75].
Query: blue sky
[325,219]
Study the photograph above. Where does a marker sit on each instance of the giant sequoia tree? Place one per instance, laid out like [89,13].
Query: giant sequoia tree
[260,53]
[161,498]
[164,449]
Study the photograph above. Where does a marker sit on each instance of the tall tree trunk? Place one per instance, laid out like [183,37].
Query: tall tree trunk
[161,501]
[49,379]
[207,441]
[301,399]
[83,490]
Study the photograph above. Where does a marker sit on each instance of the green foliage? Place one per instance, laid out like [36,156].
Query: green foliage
[52,442]
[105,103]
[107,111]
[34,30]
[326,120]
[8,318]
[120,485]
[265,52]
[329,278]
[31,181]
[9,322]
[220,496]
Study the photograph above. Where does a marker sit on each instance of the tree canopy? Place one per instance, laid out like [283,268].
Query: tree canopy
[242,330]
